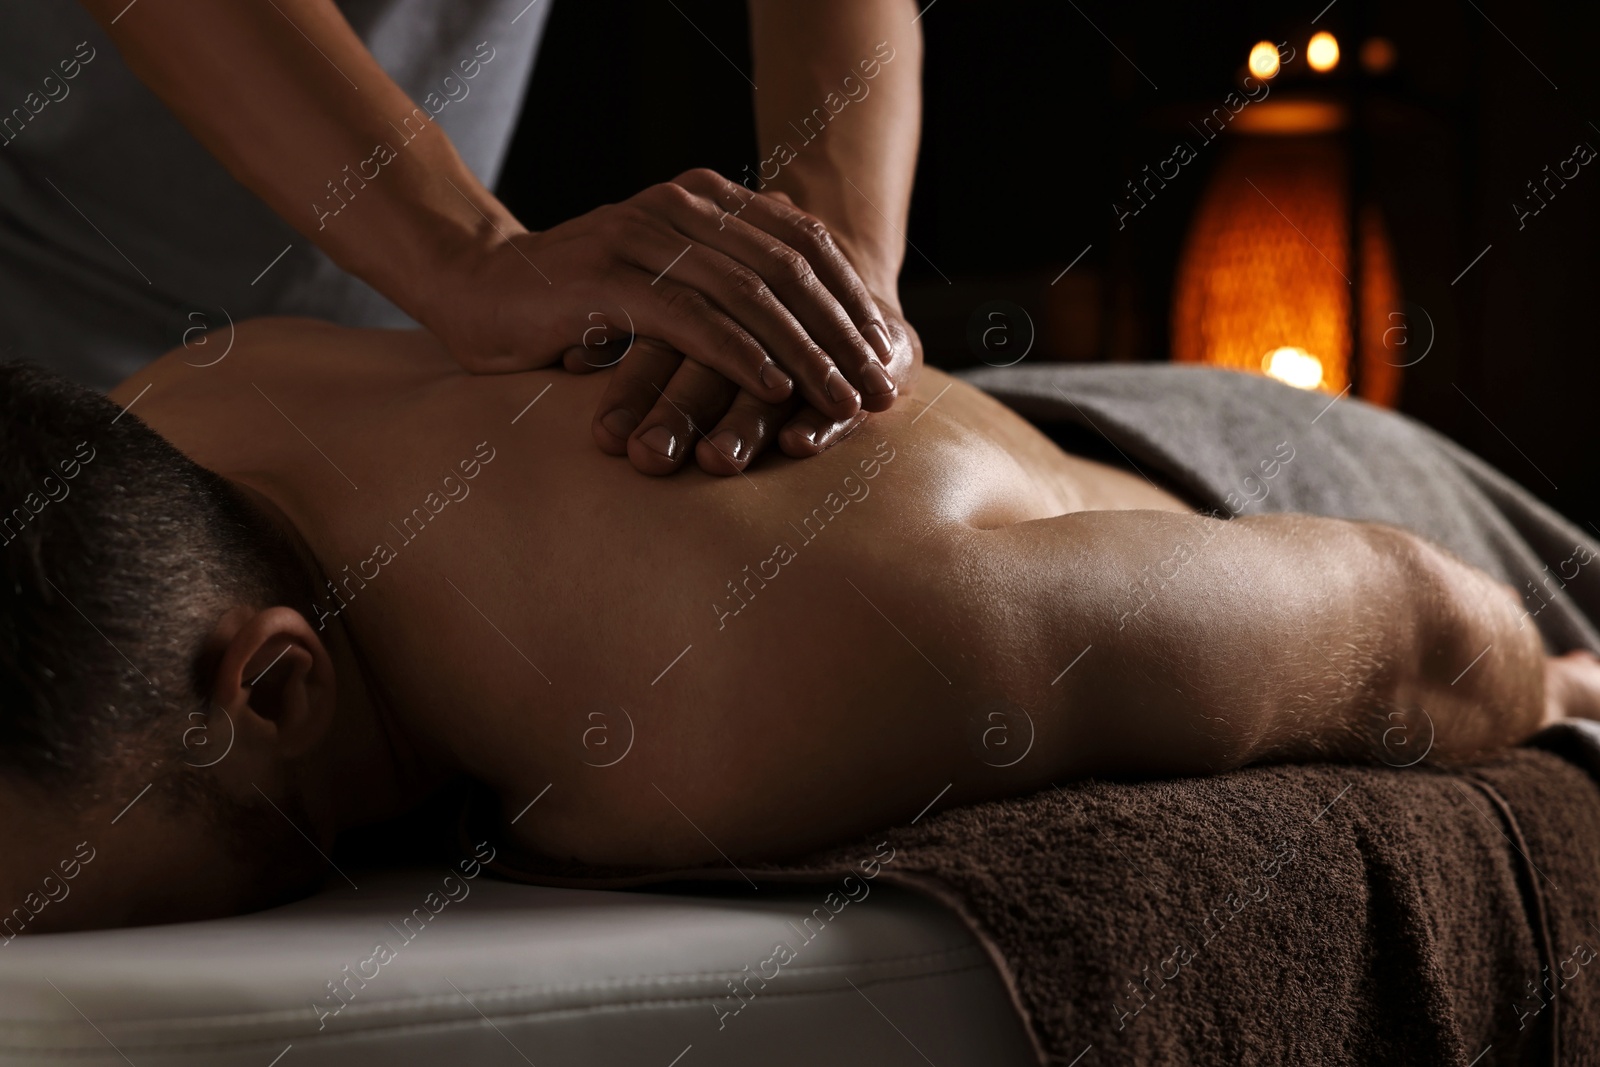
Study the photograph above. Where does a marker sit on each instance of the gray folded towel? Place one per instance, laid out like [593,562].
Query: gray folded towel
[1221,438]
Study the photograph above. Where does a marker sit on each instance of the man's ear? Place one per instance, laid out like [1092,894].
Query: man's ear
[274,677]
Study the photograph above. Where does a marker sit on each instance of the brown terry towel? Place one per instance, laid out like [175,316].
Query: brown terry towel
[1295,914]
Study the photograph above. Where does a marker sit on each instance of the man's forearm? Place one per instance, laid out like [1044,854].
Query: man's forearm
[288,98]
[838,114]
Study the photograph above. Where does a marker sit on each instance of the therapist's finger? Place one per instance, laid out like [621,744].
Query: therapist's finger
[754,303]
[772,290]
[748,429]
[811,432]
[778,216]
[694,399]
[862,346]
[692,321]
[633,390]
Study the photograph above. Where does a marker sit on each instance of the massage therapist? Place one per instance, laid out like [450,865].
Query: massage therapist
[333,159]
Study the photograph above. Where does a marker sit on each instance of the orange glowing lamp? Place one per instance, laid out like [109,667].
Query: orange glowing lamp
[1268,281]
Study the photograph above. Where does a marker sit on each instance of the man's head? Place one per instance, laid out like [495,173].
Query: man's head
[159,706]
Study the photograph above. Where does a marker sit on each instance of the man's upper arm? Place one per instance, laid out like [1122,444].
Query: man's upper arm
[1211,643]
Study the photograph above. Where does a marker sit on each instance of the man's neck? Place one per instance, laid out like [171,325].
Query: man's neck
[368,769]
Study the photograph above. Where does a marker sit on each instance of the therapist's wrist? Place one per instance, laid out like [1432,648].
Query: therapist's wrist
[446,292]
[879,268]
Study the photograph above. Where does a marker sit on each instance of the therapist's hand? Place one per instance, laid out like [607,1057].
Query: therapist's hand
[749,286]
[676,406]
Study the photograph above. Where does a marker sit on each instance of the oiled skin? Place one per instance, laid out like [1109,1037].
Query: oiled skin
[569,630]
[600,577]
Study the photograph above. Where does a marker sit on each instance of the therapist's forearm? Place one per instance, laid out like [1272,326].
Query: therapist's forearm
[288,98]
[838,113]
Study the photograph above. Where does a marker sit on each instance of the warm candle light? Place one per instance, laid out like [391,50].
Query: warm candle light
[1264,59]
[1322,53]
[1293,366]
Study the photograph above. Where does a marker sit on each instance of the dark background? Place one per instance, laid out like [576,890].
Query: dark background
[1034,121]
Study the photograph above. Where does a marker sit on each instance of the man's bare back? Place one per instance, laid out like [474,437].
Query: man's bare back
[514,614]
[690,666]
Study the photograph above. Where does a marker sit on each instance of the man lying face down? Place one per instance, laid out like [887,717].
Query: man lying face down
[299,590]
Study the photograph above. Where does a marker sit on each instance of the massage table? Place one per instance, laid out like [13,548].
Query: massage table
[512,975]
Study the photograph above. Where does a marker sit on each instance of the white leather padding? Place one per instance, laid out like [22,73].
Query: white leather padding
[512,975]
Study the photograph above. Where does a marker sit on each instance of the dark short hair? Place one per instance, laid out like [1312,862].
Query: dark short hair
[119,555]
